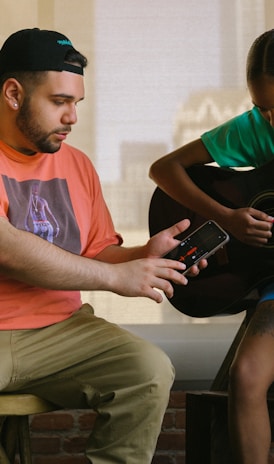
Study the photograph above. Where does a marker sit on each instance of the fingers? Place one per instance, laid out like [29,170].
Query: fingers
[169,265]
[148,276]
[162,242]
[260,232]
[195,269]
[261,221]
[155,295]
[260,215]
[251,226]
[170,272]
[177,278]
[179,227]
[159,277]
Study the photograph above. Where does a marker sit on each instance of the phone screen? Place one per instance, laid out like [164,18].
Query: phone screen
[199,244]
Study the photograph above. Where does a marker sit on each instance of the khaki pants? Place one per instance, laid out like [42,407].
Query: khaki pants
[87,362]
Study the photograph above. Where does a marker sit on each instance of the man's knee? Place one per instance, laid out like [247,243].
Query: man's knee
[149,364]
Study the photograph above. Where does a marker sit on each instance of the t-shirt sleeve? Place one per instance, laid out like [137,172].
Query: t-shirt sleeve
[246,140]
[101,231]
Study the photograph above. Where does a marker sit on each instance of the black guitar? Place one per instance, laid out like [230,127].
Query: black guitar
[223,287]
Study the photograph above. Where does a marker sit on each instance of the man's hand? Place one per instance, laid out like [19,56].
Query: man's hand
[143,276]
[141,271]
[164,241]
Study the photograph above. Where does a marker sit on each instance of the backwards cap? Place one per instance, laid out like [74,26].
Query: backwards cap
[36,50]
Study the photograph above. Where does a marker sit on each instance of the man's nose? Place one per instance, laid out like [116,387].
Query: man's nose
[70,115]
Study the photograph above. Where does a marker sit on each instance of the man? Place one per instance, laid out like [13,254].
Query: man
[50,344]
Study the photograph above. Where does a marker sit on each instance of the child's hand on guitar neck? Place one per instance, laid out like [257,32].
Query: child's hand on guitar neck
[250,226]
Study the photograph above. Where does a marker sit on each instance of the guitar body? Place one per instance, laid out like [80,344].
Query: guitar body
[223,287]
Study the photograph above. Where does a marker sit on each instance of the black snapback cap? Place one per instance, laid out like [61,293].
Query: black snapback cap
[36,50]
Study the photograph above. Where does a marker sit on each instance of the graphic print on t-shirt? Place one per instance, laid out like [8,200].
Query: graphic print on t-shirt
[39,219]
[44,208]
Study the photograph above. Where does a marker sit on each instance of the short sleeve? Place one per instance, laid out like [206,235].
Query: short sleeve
[246,140]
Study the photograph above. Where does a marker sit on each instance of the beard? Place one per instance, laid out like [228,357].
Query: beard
[29,126]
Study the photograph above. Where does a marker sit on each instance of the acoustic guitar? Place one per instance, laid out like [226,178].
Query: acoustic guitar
[224,287]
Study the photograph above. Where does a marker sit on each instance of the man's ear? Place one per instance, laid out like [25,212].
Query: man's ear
[13,93]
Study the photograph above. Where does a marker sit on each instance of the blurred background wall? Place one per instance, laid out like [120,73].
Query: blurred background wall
[160,73]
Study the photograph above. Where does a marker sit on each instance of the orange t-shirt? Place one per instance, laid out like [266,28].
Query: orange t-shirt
[57,197]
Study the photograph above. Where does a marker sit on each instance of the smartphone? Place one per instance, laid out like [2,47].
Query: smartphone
[201,243]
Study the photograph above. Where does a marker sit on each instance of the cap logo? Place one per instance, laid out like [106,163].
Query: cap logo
[64,42]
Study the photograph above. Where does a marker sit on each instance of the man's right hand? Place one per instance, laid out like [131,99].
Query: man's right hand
[145,277]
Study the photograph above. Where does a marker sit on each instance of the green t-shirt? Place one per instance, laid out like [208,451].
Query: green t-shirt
[246,140]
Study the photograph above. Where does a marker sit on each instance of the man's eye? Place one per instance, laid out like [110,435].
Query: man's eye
[58,102]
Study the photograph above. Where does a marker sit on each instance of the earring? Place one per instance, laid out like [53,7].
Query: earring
[15,105]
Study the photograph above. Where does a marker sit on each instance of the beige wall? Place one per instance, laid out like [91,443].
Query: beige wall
[269,14]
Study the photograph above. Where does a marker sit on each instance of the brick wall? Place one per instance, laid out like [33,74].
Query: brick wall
[56,438]
[59,437]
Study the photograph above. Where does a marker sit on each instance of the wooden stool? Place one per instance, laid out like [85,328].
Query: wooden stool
[207,428]
[15,409]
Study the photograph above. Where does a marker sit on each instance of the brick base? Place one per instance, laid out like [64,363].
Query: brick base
[60,437]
